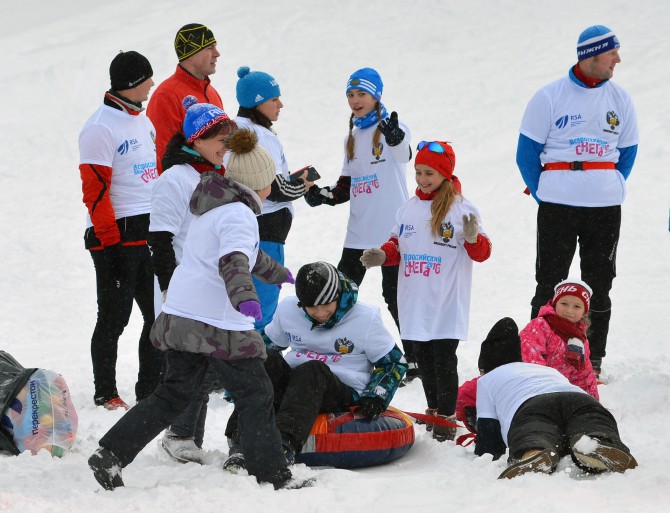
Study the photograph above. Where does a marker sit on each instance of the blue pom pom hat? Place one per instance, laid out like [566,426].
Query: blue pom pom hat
[255,87]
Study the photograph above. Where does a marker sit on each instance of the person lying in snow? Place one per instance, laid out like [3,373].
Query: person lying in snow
[539,415]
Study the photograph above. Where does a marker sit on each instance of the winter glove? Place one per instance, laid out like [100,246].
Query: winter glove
[575,353]
[370,407]
[373,257]
[289,279]
[470,228]
[392,132]
[314,197]
[251,308]
[112,256]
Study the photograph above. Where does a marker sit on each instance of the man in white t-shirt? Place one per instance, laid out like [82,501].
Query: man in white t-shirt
[539,415]
[117,163]
[577,145]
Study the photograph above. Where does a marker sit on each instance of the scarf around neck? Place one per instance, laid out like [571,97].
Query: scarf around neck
[370,118]
[566,329]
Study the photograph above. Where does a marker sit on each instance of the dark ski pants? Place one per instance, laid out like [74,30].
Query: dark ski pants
[549,421]
[246,380]
[560,229]
[114,307]
[438,364]
[192,421]
[300,394]
[350,265]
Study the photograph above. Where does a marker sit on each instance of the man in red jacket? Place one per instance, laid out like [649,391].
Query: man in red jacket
[195,46]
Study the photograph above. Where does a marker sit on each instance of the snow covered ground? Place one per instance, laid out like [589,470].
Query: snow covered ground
[461,71]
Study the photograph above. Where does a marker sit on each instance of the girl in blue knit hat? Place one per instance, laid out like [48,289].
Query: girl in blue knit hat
[258,95]
[377,149]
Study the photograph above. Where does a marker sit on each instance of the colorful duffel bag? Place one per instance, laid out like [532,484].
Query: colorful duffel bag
[347,440]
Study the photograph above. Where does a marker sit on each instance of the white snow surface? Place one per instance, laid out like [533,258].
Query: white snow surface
[460,71]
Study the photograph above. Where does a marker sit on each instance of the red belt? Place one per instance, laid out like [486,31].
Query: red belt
[577,166]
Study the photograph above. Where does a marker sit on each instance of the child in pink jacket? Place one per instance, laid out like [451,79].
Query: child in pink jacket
[557,336]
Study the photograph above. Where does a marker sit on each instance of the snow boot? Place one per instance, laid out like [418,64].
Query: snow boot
[106,468]
[444,433]
[537,460]
[182,449]
[595,456]
[432,412]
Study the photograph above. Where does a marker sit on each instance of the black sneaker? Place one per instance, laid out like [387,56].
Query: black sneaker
[289,453]
[598,456]
[412,373]
[543,461]
[235,463]
[287,481]
[106,468]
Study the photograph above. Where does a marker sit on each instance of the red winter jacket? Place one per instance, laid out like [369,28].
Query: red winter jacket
[541,345]
[165,108]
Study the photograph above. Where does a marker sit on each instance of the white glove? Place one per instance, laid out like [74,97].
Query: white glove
[373,257]
[470,228]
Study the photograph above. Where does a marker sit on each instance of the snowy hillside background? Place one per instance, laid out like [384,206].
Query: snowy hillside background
[461,71]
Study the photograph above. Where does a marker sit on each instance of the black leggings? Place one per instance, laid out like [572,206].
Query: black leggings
[438,364]
[114,307]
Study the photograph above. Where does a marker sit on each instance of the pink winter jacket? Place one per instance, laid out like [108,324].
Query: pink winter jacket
[541,345]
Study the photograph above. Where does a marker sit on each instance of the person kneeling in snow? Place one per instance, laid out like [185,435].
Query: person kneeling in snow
[340,355]
[539,415]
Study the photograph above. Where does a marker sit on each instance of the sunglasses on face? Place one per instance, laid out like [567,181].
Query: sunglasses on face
[433,146]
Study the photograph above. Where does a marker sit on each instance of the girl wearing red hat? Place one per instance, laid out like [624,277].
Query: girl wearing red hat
[557,336]
[436,238]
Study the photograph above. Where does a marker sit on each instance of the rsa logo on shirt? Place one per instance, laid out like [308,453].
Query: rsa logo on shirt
[569,119]
[127,145]
[406,230]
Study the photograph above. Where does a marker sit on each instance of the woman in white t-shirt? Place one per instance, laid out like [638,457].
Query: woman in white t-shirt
[377,149]
[434,242]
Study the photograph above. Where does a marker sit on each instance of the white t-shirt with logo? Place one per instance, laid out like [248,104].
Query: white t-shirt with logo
[197,290]
[435,274]
[578,124]
[501,391]
[126,143]
[170,211]
[378,189]
[269,141]
[349,348]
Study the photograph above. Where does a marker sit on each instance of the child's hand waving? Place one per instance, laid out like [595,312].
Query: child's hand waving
[470,228]
[392,132]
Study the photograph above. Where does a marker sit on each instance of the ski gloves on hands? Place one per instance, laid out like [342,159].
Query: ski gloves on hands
[470,228]
[370,407]
[289,279]
[373,257]
[251,308]
[392,132]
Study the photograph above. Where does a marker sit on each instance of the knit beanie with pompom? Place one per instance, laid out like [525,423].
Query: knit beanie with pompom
[249,164]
